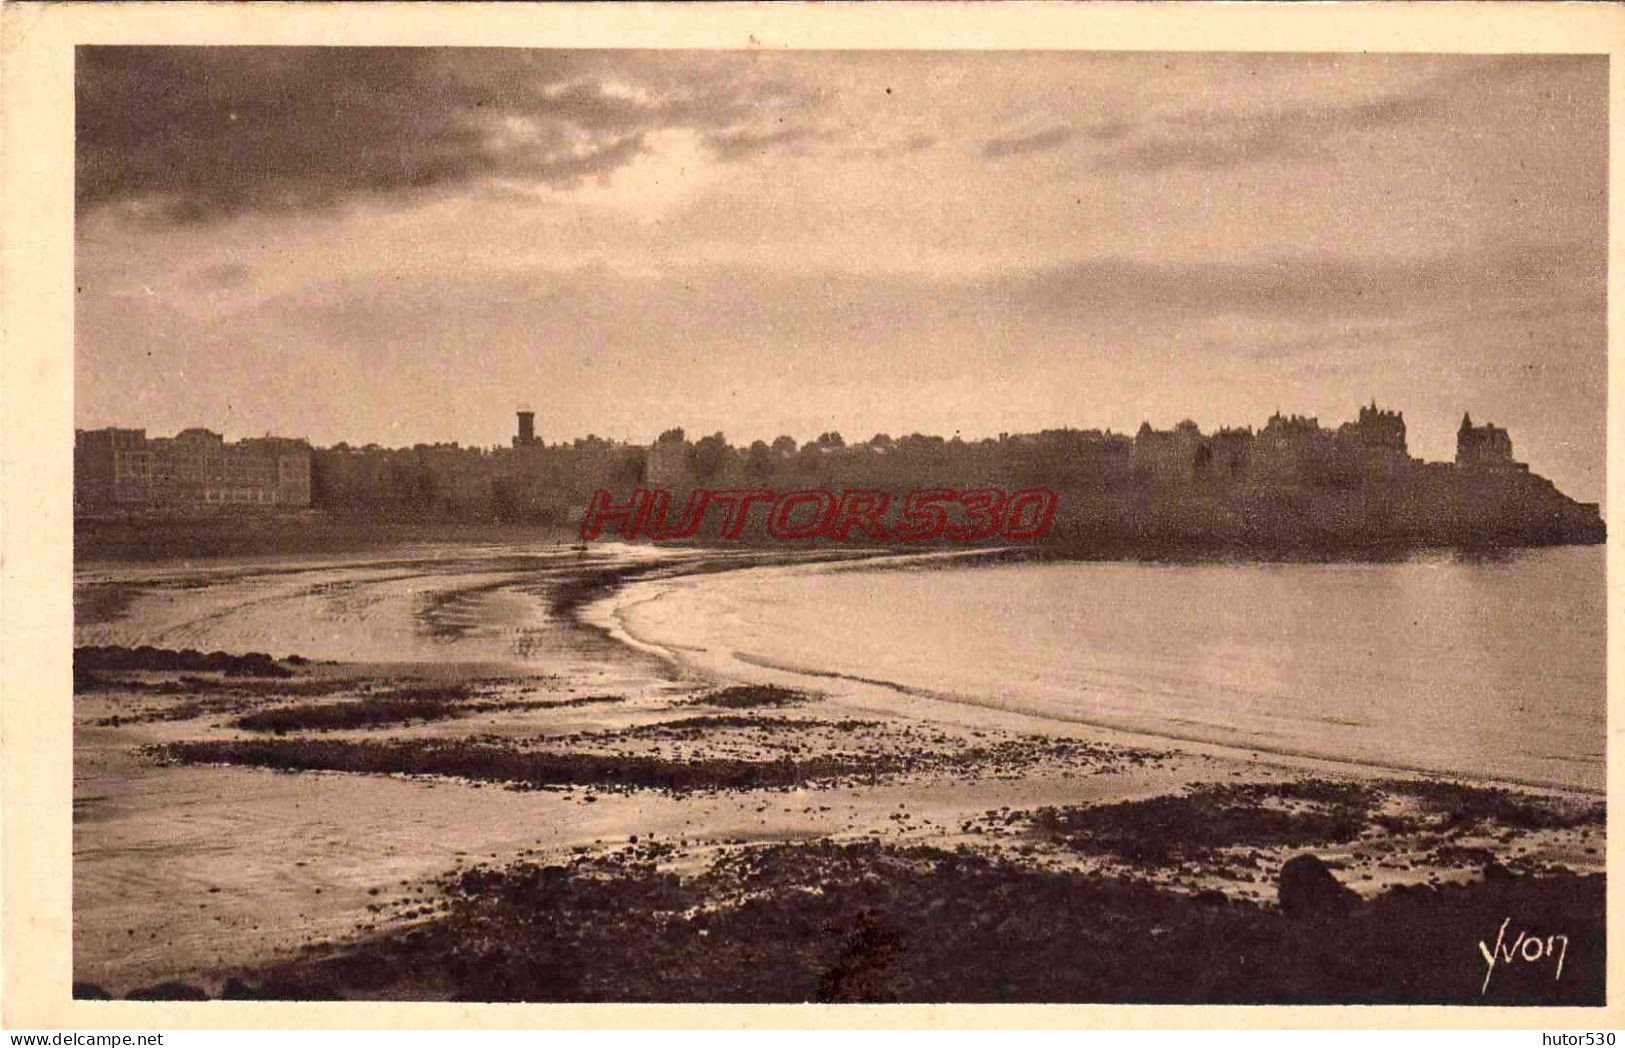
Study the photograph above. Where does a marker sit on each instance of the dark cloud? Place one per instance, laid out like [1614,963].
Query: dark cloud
[1040,142]
[918,143]
[738,145]
[1207,139]
[820,306]
[1168,152]
[1109,130]
[1313,288]
[199,133]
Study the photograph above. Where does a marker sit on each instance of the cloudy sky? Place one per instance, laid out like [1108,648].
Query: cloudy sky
[398,245]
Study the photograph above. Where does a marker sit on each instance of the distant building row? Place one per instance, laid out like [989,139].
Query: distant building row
[196,467]
[1294,446]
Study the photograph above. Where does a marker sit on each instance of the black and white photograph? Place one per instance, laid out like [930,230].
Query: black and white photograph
[853,526]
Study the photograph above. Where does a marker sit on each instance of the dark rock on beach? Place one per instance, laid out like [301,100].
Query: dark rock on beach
[169,991]
[1309,889]
[145,657]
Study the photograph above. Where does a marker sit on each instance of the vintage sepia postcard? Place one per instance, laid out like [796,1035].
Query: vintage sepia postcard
[893,508]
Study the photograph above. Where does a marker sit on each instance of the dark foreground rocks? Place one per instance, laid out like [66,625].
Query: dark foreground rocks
[519,769]
[867,922]
[750,696]
[169,991]
[403,706]
[1205,821]
[1308,889]
[90,658]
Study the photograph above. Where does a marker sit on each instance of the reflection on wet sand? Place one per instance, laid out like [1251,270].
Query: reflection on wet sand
[438,729]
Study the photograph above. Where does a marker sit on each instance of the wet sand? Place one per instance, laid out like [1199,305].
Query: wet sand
[466,727]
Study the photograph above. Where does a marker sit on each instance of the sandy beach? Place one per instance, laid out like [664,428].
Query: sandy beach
[459,777]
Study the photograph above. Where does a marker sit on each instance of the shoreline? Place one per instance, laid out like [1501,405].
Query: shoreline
[179,541]
[607,612]
[913,777]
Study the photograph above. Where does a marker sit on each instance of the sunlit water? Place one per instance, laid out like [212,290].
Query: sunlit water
[1487,669]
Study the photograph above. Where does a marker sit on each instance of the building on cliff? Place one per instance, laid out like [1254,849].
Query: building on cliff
[1484,447]
[1297,482]
[1289,448]
[1376,429]
[1169,455]
[194,468]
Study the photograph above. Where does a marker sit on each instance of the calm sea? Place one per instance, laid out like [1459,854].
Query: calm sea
[1482,668]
